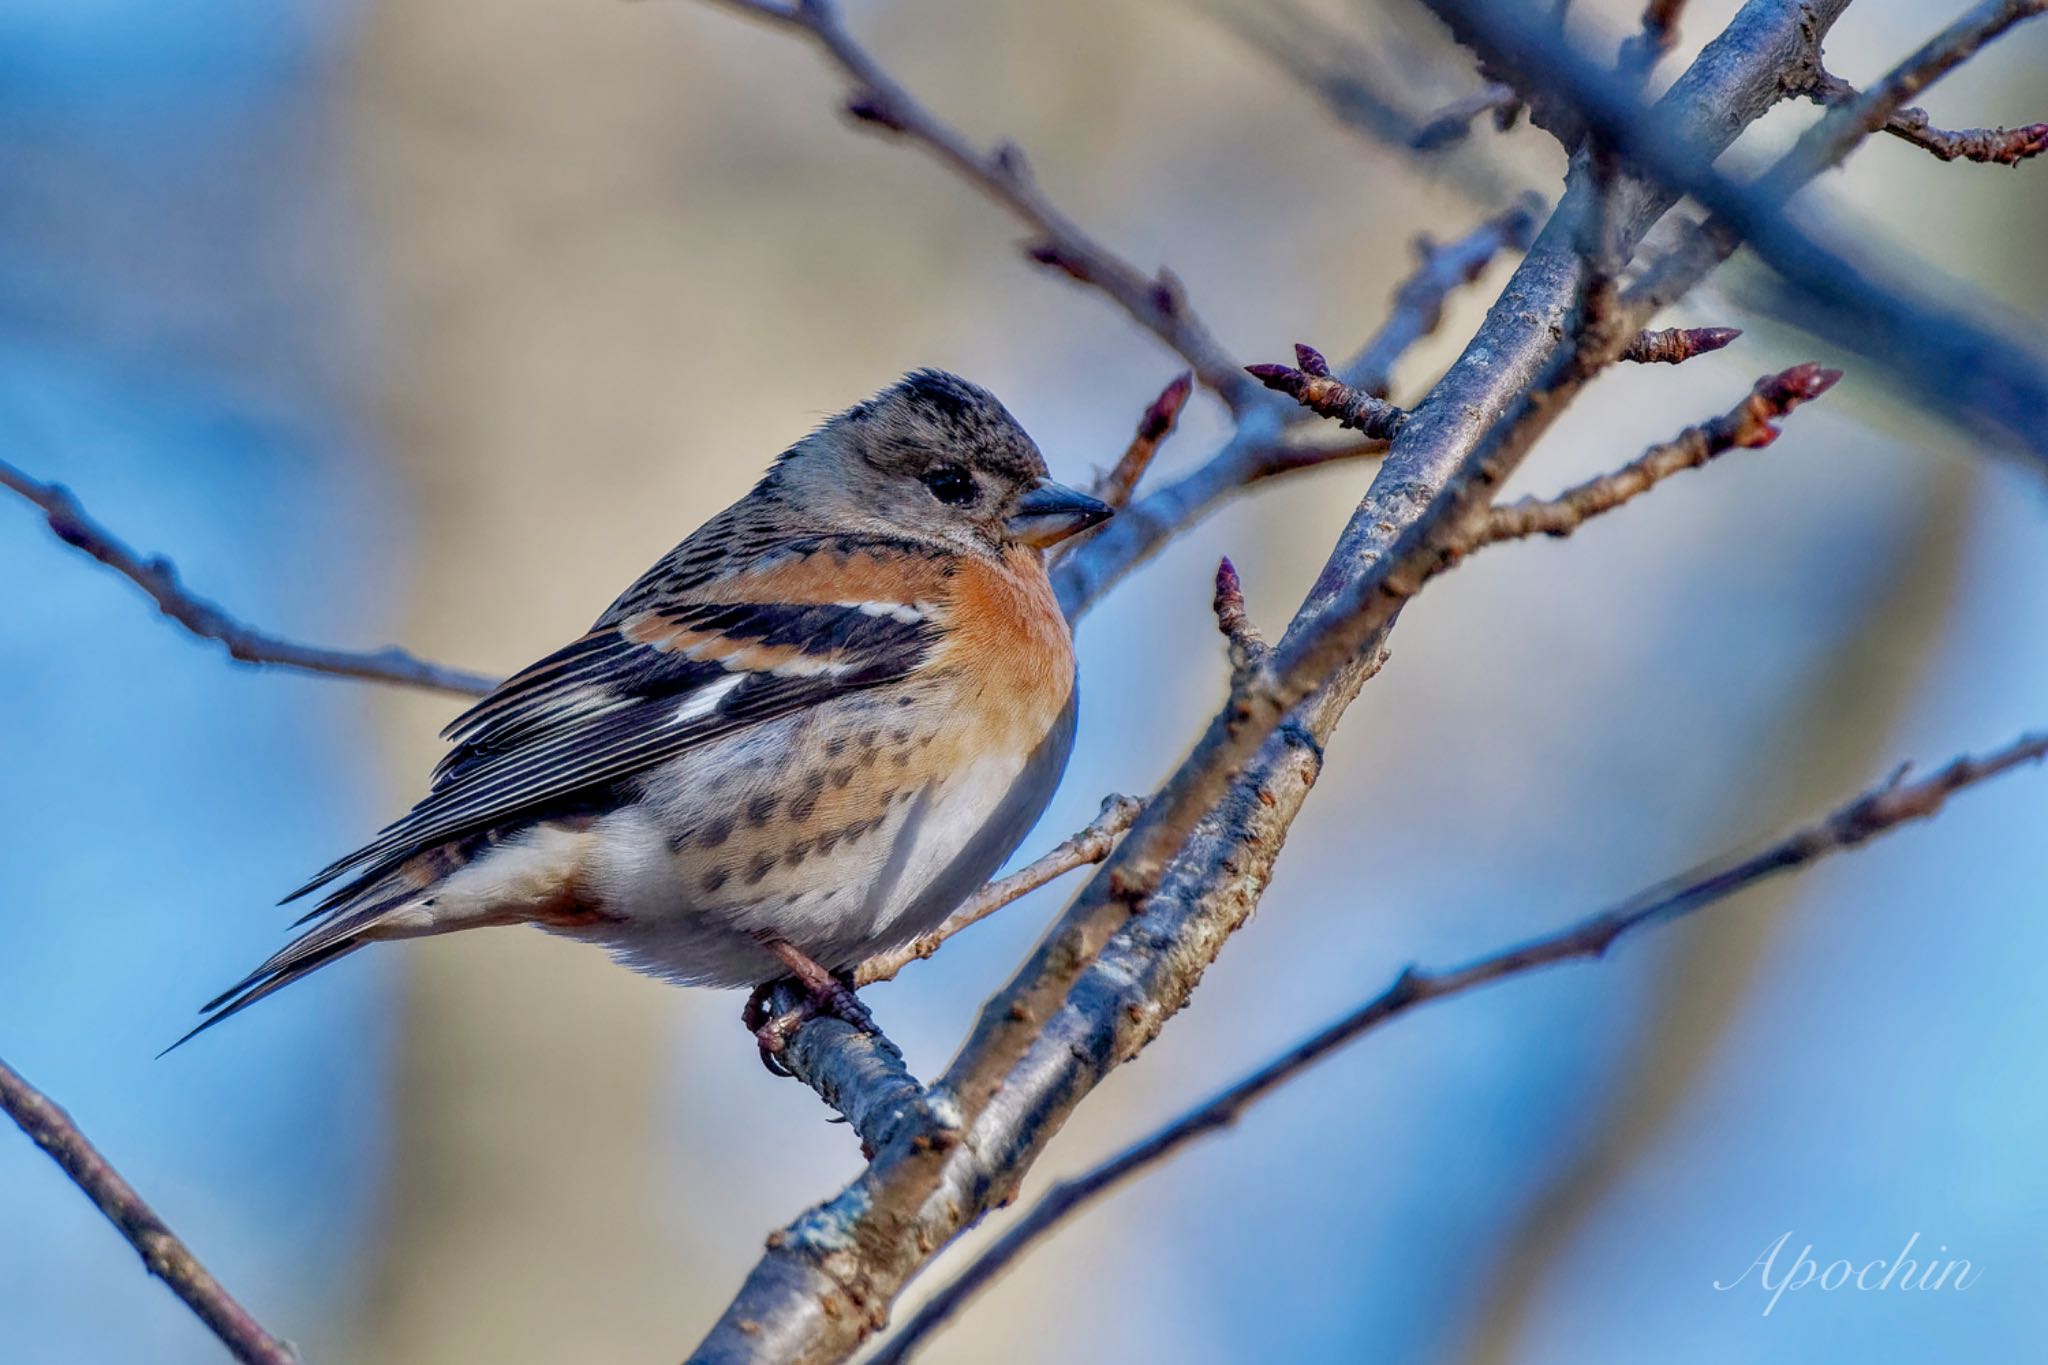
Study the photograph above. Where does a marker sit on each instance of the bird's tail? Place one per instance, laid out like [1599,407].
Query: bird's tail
[398,904]
[529,875]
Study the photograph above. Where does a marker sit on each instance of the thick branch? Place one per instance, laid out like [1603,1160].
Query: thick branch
[1856,823]
[1748,426]
[1993,383]
[1156,302]
[158,577]
[1127,953]
[167,1258]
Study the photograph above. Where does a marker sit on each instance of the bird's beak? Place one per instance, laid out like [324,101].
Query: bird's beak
[1050,512]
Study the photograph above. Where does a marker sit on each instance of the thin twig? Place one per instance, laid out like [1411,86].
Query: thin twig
[1309,382]
[1747,426]
[1676,345]
[1641,52]
[158,577]
[1883,808]
[1116,487]
[166,1257]
[1440,269]
[1156,302]
[1995,146]
[1847,123]
[1090,845]
[1453,123]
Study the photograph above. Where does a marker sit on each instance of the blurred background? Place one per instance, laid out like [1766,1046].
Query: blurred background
[439,321]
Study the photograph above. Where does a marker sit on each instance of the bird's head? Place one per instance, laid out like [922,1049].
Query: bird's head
[937,459]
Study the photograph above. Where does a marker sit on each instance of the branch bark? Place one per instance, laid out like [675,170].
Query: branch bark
[158,577]
[1132,946]
[166,1257]
[1990,382]
[1748,426]
[1155,302]
[1884,808]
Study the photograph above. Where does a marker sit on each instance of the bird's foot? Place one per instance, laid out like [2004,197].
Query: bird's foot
[824,994]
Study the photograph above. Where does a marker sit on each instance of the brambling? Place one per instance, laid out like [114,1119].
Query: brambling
[801,739]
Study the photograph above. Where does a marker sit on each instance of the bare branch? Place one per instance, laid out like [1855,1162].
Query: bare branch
[158,577]
[166,1257]
[1130,948]
[1440,269]
[1997,146]
[1090,845]
[1992,382]
[1309,382]
[1156,302]
[1116,487]
[1676,345]
[1748,426]
[1863,819]
[1254,453]
[1849,122]
[1453,122]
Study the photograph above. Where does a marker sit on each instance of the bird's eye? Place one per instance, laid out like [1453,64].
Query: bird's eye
[951,485]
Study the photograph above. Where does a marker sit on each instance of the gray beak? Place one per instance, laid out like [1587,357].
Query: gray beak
[1050,512]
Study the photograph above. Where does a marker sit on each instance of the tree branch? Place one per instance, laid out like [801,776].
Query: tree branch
[166,1257]
[1875,812]
[1997,146]
[1440,269]
[1748,426]
[1991,382]
[1133,944]
[1090,845]
[158,577]
[1309,382]
[1453,123]
[1156,302]
[1116,487]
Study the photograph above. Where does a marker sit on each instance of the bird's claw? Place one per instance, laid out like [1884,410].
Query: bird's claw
[832,997]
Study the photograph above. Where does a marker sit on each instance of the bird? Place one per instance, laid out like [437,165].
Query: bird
[800,739]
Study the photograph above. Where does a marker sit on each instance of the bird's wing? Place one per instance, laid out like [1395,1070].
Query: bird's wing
[680,659]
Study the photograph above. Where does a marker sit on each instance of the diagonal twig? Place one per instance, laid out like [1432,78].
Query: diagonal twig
[1959,365]
[1994,146]
[1883,808]
[1156,302]
[1747,426]
[1440,269]
[1116,486]
[167,1258]
[1309,382]
[1090,845]
[157,576]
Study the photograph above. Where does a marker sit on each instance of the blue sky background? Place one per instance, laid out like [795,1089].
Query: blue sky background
[189,335]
